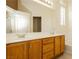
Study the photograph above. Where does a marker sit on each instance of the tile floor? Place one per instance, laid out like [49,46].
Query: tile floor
[65,56]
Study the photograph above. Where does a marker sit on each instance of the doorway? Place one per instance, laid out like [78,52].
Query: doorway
[36,24]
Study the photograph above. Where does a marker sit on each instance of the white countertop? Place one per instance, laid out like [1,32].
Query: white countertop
[12,38]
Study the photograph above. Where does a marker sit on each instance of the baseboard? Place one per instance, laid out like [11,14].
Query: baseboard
[68,49]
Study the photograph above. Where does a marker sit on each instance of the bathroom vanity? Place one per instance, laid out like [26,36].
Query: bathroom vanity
[45,47]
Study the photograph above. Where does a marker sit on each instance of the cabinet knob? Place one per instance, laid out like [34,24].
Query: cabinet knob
[30,46]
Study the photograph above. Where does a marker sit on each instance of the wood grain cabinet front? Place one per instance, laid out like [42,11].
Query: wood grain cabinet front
[48,48]
[17,51]
[45,48]
[62,43]
[24,50]
[35,50]
[57,45]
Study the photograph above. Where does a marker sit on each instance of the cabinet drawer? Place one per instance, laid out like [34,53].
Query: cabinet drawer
[48,40]
[48,47]
[48,55]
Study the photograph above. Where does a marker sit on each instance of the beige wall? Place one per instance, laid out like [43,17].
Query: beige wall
[67,29]
[69,17]
[50,17]
[39,10]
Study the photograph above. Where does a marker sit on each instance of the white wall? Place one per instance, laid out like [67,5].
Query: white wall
[39,10]
[69,17]
[50,17]
[67,29]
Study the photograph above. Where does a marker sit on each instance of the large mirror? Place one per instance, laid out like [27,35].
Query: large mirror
[20,22]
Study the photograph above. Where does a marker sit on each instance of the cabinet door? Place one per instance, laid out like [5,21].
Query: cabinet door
[35,49]
[62,43]
[57,45]
[16,51]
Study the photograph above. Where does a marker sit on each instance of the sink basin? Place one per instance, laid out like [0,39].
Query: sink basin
[20,35]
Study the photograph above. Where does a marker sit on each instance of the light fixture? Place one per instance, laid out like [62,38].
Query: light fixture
[47,3]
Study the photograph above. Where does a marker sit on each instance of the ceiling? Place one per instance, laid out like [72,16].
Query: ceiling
[54,2]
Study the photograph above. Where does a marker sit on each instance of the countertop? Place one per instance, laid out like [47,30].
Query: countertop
[12,38]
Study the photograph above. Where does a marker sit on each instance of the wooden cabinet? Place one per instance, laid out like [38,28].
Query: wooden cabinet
[62,43]
[24,50]
[45,48]
[12,3]
[16,51]
[48,48]
[57,45]
[35,49]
